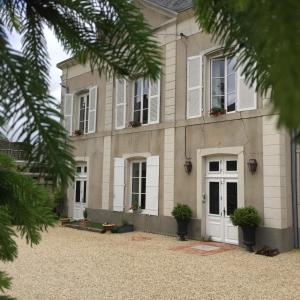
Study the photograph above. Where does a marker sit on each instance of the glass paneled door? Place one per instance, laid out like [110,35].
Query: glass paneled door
[80,192]
[221,201]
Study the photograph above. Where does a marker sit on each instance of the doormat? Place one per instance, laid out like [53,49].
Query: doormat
[141,238]
[204,248]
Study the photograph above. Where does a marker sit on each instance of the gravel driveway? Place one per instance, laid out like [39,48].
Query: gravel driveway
[73,264]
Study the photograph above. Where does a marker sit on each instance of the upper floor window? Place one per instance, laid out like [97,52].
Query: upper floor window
[146,101]
[141,101]
[223,83]
[84,113]
[85,116]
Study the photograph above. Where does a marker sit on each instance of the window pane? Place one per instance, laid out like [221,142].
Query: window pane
[231,197]
[143,201]
[135,185]
[218,68]
[137,95]
[120,96]
[77,191]
[144,167]
[231,83]
[214,166]
[145,116]
[218,101]
[146,87]
[87,114]
[82,103]
[137,116]
[143,185]
[135,170]
[218,86]
[214,198]
[78,169]
[231,165]
[135,199]
[84,192]
[85,169]
[231,99]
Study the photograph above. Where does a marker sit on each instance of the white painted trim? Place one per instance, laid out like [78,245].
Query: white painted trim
[86,160]
[198,87]
[201,169]
[136,155]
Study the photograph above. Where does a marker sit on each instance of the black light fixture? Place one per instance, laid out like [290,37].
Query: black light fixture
[188,166]
[252,165]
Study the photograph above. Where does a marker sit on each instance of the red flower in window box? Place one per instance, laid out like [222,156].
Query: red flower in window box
[217,111]
[134,124]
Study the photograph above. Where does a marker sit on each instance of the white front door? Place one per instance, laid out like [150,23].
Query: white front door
[222,188]
[80,192]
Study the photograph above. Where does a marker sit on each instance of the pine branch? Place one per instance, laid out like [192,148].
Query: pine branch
[263,34]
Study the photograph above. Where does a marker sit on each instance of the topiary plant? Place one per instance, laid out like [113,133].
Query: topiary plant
[85,214]
[245,216]
[182,212]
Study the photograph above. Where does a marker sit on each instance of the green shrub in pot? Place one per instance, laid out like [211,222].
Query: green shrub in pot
[183,214]
[248,219]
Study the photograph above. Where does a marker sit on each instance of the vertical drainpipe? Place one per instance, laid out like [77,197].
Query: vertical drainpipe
[294,188]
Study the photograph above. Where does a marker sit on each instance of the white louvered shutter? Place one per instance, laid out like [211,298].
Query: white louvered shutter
[120,103]
[194,86]
[92,109]
[118,200]
[154,102]
[152,185]
[247,97]
[68,113]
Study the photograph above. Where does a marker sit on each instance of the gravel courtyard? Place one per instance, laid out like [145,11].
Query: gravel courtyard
[73,264]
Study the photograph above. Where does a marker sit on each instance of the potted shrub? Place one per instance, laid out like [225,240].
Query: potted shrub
[135,206]
[78,132]
[125,227]
[248,219]
[134,124]
[183,214]
[84,221]
[217,111]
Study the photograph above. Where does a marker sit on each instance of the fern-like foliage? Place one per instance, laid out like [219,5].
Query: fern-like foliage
[111,36]
[25,208]
[264,33]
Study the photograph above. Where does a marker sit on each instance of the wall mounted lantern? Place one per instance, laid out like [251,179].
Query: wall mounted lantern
[252,165]
[188,166]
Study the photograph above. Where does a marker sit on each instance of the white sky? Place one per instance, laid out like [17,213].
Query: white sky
[56,54]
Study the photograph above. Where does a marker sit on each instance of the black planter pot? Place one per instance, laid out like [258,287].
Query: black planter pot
[182,227]
[249,237]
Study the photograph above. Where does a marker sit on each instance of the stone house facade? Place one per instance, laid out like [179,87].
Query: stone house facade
[119,164]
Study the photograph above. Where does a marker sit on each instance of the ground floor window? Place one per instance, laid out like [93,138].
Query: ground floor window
[138,184]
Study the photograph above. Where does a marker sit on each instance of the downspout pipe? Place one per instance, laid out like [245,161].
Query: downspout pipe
[294,181]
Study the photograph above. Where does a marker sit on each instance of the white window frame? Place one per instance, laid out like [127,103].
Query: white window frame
[142,102]
[86,113]
[225,58]
[140,161]
[222,167]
